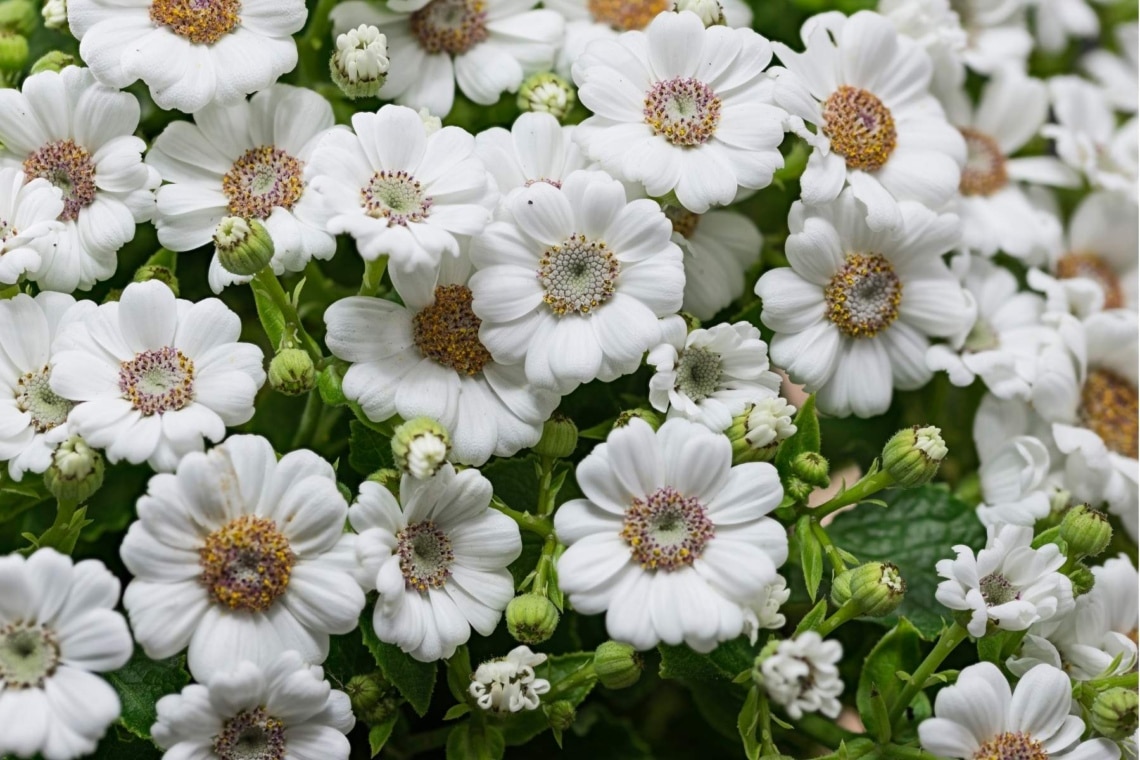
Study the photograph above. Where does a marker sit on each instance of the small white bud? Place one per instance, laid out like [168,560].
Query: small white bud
[770,421]
[710,12]
[360,62]
[55,14]
[547,93]
[431,123]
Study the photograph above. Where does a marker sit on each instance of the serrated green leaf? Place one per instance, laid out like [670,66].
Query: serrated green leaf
[414,680]
[899,649]
[368,450]
[475,741]
[514,481]
[378,735]
[141,683]
[811,555]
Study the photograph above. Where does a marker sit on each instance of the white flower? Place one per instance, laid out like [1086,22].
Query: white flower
[1013,482]
[573,282]
[1119,75]
[864,90]
[508,684]
[58,626]
[33,419]
[362,54]
[979,717]
[536,149]
[763,612]
[718,246]
[426,359]
[189,54]
[401,190]
[284,708]
[154,376]
[1087,138]
[1008,582]
[425,455]
[486,47]
[710,12]
[439,561]
[710,376]
[239,556]
[769,422]
[853,312]
[247,161]
[28,214]
[682,109]
[1056,21]
[936,26]
[666,526]
[55,14]
[801,675]
[997,34]
[79,135]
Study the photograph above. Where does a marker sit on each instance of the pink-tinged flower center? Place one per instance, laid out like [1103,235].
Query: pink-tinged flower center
[666,531]
[397,197]
[1012,745]
[860,128]
[448,331]
[683,110]
[425,556]
[261,180]
[158,381]
[1111,409]
[203,22]
[69,167]
[863,297]
[578,275]
[985,172]
[251,735]
[246,564]
[626,15]
[450,26]
[684,221]
[35,396]
[29,655]
[1093,267]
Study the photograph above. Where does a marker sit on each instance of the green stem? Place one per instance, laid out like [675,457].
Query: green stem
[309,419]
[580,677]
[60,536]
[824,731]
[848,612]
[271,286]
[545,498]
[897,752]
[319,22]
[947,642]
[864,489]
[767,746]
[545,568]
[833,555]
[1125,681]
[373,276]
[526,521]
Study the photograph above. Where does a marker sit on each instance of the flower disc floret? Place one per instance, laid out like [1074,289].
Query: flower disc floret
[261,180]
[863,296]
[860,128]
[158,381]
[1109,407]
[246,564]
[448,331]
[683,110]
[985,171]
[626,15]
[684,221]
[698,373]
[1011,745]
[1093,267]
[578,275]
[251,735]
[425,555]
[996,589]
[29,655]
[34,395]
[203,22]
[666,531]
[69,167]
[450,26]
[396,196]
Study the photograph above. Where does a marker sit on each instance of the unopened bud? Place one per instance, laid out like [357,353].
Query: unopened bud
[560,714]
[812,468]
[710,12]
[531,618]
[877,588]
[559,437]
[546,92]
[650,416]
[244,246]
[13,51]
[55,14]
[1086,531]
[55,60]
[365,692]
[359,65]
[841,588]
[757,432]
[617,666]
[1081,578]
[758,663]
[798,489]
[913,455]
[76,471]
[420,447]
[1059,501]
[1114,713]
[387,477]
[19,16]
[431,123]
[156,272]
[291,372]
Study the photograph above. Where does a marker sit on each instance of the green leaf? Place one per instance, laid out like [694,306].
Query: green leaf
[272,320]
[475,741]
[457,711]
[747,723]
[734,656]
[899,649]
[682,663]
[522,727]
[141,683]
[368,450]
[378,734]
[813,618]
[514,481]
[811,555]
[806,437]
[329,382]
[459,673]
[917,530]
[415,680]
[120,744]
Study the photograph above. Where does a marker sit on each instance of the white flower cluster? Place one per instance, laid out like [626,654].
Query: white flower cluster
[509,684]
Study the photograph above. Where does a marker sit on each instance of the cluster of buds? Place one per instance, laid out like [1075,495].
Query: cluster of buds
[508,684]
[373,698]
[359,65]
[18,18]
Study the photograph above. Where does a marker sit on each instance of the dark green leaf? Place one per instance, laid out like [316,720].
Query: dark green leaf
[272,320]
[514,481]
[475,741]
[684,664]
[748,721]
[120,744]
[415,680]
[806,437]
[368,450]
[141,683]
[813,618]
[378,734]
[811,555]
[734,656]
[899,649]
[457,711]
[459,673]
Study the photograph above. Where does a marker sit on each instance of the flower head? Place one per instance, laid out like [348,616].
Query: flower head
[508,684]
[801,675]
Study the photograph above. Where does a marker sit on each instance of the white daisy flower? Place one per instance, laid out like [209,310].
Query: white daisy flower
[401,190]
[854,311]
[1008,582]
[486,47]
[710,376]
[245,160]
[997,34]
[937,28]
[979,717]
[79,135]
[666,525]
[718,246]
[1117,585]
[284,708]
[763,612]
[865,92]
[153,376]
[28,219]
[190,54]
[573,282]
[239,556]
[1118,74]
[803,677]
[1058,21]
[1013,482]
[508,684]
[537,148]
[1087,138]
[682,109]
[426,359]
[33,419]
[438,557]
[58,627]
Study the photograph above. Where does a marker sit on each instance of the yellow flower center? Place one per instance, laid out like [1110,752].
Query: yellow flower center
[860,128]
[203,22]
[684,222]
[985,172]
[863,296]
[450,26]
[1109,408]
[683,110]
[448,331]
[626,15]
[246,564]
[1011,746]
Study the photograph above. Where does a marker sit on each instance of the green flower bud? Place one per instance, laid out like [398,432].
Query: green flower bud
[559,437]
[19,16]
[55,60]
[382,711]
[1082,579]
[1086,531]
[561,715]
[1059,501]
[388,478]
[420,447]
[547,93]
[112,296]
[710,12]
[877,588]
[365,692]
[618,666]
[244,246]
[650,416]
[13,51]
[797,489]
[913,455]
[155,272]
[76,471]
[756,433]
[812,468]
[359,65]
[1114,713]
[841,588]
[531,618]
[291,372]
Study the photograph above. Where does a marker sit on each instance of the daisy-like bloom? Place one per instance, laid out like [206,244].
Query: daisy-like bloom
[865,92]
[426,359]
[537,148]
[239,556]
[682,109]
[190,53]
[439,561]
[246,160]
[508,684]
[1013,482]
[486,47]
[153,376]
[1087,138]
[1058,21]
[58,627]
[33,419]
[1008,582]
[573,282]
[401,190]
[979,718]
[854,311]
[802,675]
[937,28]
[718,246]
[710,376]
[667,523]
[1118,74]
[763,612]
[284,708]
[79,135]
[28,217]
